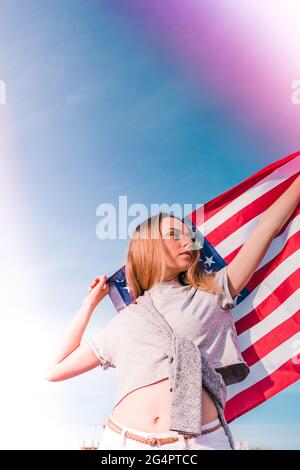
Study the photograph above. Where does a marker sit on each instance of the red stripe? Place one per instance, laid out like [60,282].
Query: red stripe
[291,246]
[218,203]
[249,212]
[246,400]
[294,214]
[272,339]
[269,304]
[233,254]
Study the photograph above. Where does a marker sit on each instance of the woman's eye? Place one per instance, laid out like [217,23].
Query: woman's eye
[192,237]
[176,234]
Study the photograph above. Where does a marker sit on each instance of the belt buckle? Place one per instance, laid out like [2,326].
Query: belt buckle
[154,441]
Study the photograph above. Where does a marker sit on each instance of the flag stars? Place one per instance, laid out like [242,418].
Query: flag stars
[198,244]
[208,271]
[209,261]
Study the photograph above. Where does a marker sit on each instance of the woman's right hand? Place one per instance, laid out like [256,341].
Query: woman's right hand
[97,290]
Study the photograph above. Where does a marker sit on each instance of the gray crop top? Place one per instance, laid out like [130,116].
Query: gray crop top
[132,343]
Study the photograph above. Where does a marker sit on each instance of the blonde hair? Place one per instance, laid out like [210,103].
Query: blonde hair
[145,264]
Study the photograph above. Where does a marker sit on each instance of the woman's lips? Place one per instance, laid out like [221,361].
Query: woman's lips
[186,254]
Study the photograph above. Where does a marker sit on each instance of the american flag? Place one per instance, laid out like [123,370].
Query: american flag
[266,312]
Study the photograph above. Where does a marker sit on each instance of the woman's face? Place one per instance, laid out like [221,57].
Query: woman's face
[178,242]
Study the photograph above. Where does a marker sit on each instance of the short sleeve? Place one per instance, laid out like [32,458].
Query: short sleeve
[100,344]
[226,301]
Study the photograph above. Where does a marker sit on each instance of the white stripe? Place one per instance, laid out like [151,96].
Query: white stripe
[267,365]
[282,313]
[279,242]
[237,238]
[269,182]
[265,288]
[240,236]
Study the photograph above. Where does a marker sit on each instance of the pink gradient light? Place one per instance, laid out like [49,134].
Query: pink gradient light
[230,49]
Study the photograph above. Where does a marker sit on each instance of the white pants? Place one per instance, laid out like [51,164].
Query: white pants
[111,440]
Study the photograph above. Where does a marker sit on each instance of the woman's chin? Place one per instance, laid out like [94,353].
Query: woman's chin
[184,266]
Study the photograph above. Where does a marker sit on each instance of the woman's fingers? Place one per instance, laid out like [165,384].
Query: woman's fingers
[95,282]
[102,282]
[98,289]
[100,279]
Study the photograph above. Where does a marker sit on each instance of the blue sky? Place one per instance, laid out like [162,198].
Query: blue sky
[95,110]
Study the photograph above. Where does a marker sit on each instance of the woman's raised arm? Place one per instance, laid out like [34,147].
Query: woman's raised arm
[244,265]
[64,363]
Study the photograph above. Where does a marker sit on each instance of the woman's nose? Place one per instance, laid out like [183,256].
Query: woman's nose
[186,241]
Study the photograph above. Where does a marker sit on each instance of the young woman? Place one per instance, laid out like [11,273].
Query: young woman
[196,305]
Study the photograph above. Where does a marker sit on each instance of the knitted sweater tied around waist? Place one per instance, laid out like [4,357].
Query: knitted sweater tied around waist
[189,368]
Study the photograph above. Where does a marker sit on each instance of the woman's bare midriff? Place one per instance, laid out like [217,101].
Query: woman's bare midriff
[147,409]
